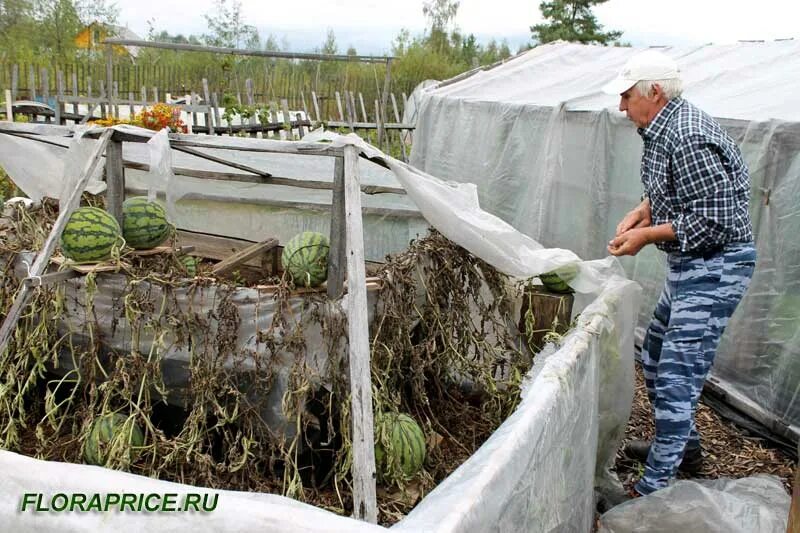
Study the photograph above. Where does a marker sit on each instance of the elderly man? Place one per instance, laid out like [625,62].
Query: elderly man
[694,208]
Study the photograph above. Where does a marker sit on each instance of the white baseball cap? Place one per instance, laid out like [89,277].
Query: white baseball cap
[647,65]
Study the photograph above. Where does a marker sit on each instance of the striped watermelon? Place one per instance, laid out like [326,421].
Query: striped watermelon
[556,281]
[305,258]
[144,223]
[112,432]
[90,235]
[399,446]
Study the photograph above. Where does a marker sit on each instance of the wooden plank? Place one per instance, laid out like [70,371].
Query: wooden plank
[207,99]
[51,278]
[339,106]
[381,118]
[31,82]
[370,125]
[215,109]
[363,108]
[9,104]
[351,119]
[240,257]
[115,180]
[75,107]
[59,95]
[337,261]
[110,78]
[222,161]
[287,125]
[216,247]
[402,134]
[45,79]
[318,118]
[14,81]
[303,99]
[103,98]
[131,110]
[43,257]
[363,441]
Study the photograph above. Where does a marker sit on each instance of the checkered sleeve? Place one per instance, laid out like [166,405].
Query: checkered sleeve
[706,192]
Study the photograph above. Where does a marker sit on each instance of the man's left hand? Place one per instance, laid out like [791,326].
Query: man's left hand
[629,243]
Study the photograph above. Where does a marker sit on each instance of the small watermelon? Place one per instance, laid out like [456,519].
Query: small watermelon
[112,431]
[190,264]
[305,258]
[399,446]
[144,223]
[90,235]
[556,281]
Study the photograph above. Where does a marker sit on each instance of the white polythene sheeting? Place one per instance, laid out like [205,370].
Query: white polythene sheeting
[536,473]
[551,155]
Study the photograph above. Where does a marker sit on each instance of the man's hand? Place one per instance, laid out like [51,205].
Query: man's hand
[629,243]
[637,218]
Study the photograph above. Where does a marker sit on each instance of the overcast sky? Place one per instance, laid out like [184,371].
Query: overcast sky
[370,25]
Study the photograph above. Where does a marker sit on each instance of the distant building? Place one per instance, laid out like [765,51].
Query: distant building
[92,36]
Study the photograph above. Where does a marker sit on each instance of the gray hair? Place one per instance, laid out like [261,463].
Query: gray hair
[672,88]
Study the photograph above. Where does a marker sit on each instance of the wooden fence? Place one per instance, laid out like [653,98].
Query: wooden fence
[66,98]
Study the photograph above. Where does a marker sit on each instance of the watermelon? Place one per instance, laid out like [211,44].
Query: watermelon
[90,235]
[399,446]
[190,264]
[556,281]
[144,223]
[305,258]
[112,431]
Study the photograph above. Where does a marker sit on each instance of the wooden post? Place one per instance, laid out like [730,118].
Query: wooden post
[305,109]
[110,78]
[363,107]
[131,110]
[43,258]
[401,134]
[45,89]
[317,116]
[550,312]
[287,119]
[339,106]
[31,82]
[337,257]
[9,106]
[350,112]
[215,109]
[103,96]
[59,95]
[364,493]
[75,108]
[207,100]
[115,180]
[14,81]
[384,100]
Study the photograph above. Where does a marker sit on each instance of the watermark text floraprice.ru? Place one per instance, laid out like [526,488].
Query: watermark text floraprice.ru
[78,502]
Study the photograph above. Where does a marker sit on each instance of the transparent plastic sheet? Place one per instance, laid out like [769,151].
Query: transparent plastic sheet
[235,512]
[41,169]
[749,505]
[560,164]
[580,395]
[535,473]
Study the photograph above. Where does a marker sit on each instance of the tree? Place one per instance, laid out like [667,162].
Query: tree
[441,15]
[227,27]
[571,20]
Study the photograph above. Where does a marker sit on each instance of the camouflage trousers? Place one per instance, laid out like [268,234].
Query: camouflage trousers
[699,296]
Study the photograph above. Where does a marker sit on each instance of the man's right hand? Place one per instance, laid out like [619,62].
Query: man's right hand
[637,218]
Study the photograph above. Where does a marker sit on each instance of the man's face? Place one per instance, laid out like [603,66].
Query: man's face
[640,109]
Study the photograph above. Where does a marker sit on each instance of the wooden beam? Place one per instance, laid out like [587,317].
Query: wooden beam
[221,161]
[337,259]
[49,279]
[215,246]
[115,180]
[364,492]
[240,257]
[43,257]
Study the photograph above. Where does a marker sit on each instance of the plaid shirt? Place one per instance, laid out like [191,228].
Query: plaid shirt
[695,178]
